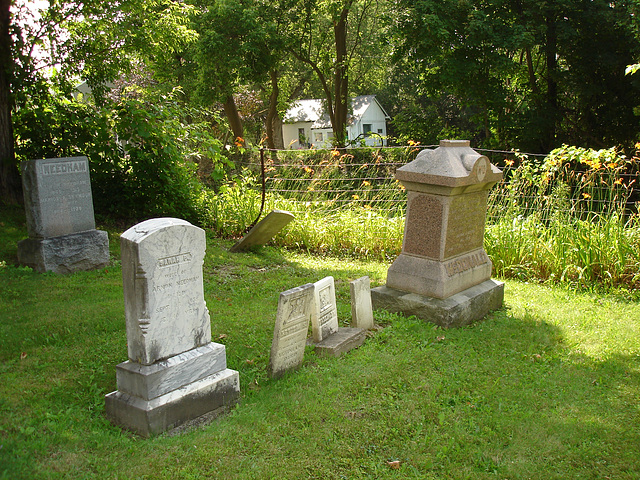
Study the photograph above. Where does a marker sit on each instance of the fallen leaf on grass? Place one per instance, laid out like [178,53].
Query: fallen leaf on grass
[393,464]
[222,335]
[23,355]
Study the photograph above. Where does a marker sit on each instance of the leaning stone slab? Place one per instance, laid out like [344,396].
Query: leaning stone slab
[291,328]
[361,309]
[60,220]
[324,315]
[458,310]
[264,230]
[174,373]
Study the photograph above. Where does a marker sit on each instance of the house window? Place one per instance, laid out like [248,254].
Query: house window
[302,139]
[318,137]
[380,131]
[366,128]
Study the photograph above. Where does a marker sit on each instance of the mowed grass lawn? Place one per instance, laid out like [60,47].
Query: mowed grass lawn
[546,388]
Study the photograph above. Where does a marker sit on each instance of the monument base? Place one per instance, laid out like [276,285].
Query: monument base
[67,253]
[212,394]
[342,341]
[458,310]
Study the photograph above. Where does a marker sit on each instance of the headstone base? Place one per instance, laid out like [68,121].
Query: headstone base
[166,412]
[457,310]
[67,253]
[340,342]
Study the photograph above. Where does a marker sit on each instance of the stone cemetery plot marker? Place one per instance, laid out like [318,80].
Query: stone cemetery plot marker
[361,309]
[264,230]
[328,338]
[290,333]
[60,221]
[443,274]
[174,373]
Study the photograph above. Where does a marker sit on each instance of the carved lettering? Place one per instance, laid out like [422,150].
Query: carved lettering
[175,260]
[62,168]
[463,264]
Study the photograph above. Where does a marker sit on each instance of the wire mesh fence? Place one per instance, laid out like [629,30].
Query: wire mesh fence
[364,179]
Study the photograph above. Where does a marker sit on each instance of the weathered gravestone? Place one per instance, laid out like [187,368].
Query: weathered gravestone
[290,333]
[174,373]
[328,338]
[60,221]
[264,230]
[361,309]
[443,274]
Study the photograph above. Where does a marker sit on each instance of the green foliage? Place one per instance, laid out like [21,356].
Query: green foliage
[142,155]
[529,75]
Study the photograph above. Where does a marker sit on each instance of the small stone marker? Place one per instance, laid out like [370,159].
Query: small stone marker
[361,310]
[328,338]
[60,220]
[290,333]
[443,274]
[324,317]
[174,373]
[264,230]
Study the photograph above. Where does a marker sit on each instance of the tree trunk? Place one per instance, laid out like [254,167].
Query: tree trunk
[273,111]
[233,117]
[341,78]
[10,183]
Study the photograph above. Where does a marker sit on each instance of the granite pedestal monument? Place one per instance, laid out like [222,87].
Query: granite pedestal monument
[60,221]
[443,273]
[174,373]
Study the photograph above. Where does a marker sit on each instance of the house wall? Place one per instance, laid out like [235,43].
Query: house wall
[373,116]
[290,134]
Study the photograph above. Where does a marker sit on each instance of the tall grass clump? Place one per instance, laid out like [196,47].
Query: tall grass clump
[570,218]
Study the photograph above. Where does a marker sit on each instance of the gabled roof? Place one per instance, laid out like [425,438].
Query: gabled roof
[312,110]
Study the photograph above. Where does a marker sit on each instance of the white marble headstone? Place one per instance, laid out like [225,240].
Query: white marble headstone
[163,289]
[324,317]
[361,310]
[290,333]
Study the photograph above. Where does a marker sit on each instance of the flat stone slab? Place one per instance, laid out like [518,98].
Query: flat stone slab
[151,417]
[66,253]
[263,231]
[457,310]
[340,342]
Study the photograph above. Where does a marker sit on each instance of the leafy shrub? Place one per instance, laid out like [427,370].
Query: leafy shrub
[141,154]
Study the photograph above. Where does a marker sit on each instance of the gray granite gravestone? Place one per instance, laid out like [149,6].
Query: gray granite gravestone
[60,221]
[361,308]
[174,373]
[328,338]
[443,274]
[290,333]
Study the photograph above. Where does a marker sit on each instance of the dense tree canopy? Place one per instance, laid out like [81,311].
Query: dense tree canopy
[504,73]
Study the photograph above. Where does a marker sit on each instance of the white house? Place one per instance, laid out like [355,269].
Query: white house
[307,125]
